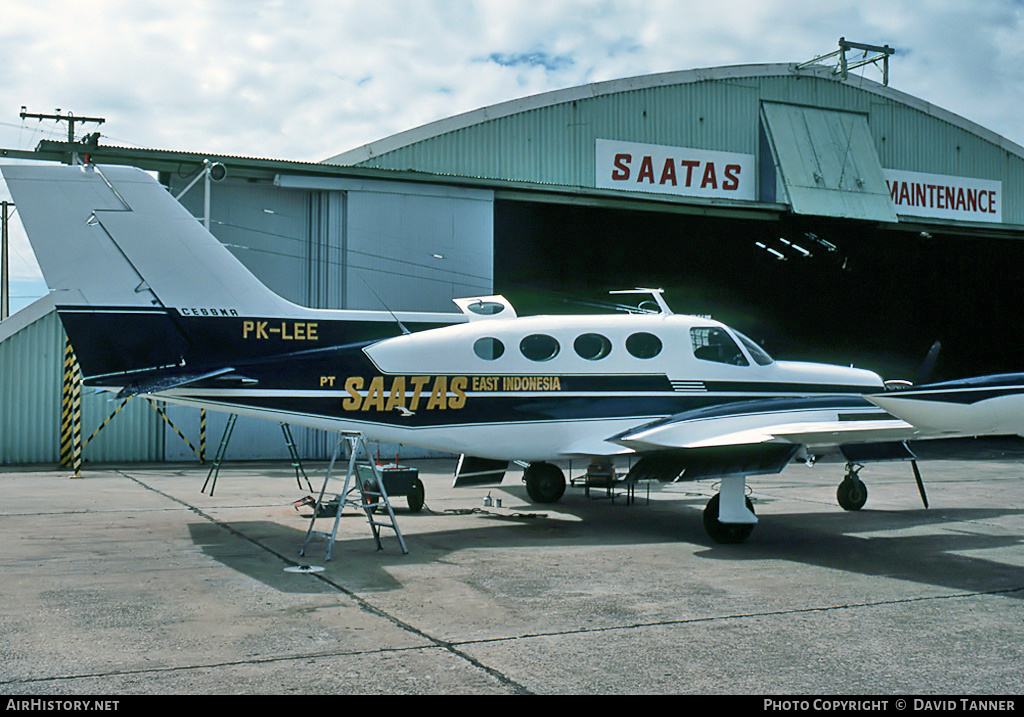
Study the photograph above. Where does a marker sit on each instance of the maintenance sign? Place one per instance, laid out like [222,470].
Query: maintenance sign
[941,196]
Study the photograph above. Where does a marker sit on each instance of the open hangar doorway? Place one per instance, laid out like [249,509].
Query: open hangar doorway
[807,288]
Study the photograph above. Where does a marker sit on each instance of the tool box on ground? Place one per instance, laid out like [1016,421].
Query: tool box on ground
[398,480]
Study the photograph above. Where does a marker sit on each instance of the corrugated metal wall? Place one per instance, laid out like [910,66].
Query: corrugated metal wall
[31,373]
[554,143]
[356,245]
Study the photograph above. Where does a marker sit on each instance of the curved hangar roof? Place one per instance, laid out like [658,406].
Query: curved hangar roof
[848,148]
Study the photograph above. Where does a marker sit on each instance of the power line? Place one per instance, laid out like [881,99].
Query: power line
[69,118]
[5,283]
[58,117]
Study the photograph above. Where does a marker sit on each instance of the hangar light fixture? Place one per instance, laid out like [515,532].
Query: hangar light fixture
[815,238]
[778,255]
[794,247]
[209,172]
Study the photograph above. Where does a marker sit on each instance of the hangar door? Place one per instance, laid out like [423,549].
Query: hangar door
[827,162]
[406,246]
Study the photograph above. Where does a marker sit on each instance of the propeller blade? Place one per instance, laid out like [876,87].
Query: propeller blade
[925,370]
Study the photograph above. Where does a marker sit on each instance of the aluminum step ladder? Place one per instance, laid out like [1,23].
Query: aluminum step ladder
[371,495]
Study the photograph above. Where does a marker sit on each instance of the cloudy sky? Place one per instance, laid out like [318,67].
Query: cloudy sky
[307,79]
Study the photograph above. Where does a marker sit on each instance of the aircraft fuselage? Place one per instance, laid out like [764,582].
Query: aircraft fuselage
[525,388]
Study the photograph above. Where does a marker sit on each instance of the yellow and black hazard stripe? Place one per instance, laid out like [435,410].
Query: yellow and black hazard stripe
[71,414]
[168,421]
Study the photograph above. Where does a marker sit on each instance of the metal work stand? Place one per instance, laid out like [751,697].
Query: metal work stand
[223,448]
[296,462]
[371,495]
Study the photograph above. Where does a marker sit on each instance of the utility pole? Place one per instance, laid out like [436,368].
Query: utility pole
[69,118]
[5,289]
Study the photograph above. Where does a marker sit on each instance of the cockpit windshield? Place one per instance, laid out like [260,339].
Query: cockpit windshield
[757,353]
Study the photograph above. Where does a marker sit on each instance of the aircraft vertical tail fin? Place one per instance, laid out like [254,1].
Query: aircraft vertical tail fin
[126,262]
[113,236]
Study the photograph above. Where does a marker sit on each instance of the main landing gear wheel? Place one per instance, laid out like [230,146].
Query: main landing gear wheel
[852,494]
[545,482]
[725,532]
[417,496]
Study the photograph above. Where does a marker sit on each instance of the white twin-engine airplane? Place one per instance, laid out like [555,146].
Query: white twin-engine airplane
[153,304]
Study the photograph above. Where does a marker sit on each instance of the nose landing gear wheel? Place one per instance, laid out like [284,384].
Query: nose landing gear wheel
[852,494]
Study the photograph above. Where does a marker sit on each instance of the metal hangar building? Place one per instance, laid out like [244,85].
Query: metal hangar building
[825,214]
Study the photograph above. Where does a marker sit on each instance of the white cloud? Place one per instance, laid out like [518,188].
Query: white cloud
[307,79]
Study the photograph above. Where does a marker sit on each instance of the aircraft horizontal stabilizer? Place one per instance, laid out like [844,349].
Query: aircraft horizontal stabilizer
[167,382]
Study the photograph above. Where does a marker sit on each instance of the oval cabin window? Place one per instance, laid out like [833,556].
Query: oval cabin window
[488,348]
[539,347]
[592,347]
[643,345]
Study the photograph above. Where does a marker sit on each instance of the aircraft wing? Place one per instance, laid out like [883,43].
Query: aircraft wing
[762,436]
[812,422]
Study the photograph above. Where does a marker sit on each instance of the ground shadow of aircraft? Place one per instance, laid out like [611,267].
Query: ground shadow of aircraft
[830,540]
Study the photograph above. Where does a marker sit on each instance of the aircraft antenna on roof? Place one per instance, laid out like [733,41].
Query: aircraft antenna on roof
[388,308]
[844,66]
[656,294]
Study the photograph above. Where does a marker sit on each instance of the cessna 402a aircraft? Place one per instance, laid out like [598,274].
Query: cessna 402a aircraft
[153,304]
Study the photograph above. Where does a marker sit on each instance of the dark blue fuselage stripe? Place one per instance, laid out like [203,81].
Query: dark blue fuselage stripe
[964,396]
[479,410]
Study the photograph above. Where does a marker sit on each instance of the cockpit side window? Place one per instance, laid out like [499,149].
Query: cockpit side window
[714,344]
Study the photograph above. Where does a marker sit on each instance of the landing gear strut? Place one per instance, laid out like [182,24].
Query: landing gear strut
[852,494]
[729,516]
[545,482]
